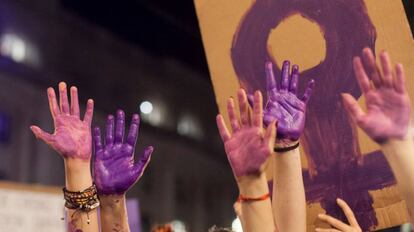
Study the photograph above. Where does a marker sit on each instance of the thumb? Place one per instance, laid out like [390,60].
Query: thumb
[352,107]
[40,134]
[142,163]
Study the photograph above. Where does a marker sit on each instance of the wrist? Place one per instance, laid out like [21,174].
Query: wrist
[285,142]
[78,175]
[253,186]
[113,202]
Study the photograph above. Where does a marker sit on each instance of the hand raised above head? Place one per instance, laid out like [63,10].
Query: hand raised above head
[72,136]
[115,170]
[388,114]
[283,104]
[249,145]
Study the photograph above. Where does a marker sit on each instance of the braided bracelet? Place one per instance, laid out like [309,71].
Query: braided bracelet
[249,199]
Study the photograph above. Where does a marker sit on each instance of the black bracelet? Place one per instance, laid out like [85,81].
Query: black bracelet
[285,149]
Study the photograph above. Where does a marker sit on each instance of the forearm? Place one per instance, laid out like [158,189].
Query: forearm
[289,203]
[257,215]
[400,155]
[78,178]
[114,213]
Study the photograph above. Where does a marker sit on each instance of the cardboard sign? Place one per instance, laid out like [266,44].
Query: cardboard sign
[322,37]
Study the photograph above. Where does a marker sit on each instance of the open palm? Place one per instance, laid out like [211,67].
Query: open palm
[72,136]
[249,146]
[283,105]
[388,106]
[114,169]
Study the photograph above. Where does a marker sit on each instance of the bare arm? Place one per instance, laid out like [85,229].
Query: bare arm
[289,110]
[116,169]
[289,202]
[72,140]
[387,119]
[248,149]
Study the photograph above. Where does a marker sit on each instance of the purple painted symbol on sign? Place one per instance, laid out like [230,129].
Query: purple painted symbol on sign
[336,165]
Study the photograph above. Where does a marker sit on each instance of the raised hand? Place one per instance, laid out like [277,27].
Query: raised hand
[249,146]
[283,105]
[115,170]
[337,224]
[72,136]
[387,102]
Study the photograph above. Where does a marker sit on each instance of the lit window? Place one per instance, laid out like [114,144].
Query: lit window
[14,47]
[189,126]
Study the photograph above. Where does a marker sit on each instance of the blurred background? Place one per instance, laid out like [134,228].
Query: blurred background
[142,56]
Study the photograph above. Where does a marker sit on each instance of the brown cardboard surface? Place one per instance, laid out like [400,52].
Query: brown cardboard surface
[302,41]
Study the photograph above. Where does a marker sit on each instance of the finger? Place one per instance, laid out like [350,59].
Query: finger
[285,75]
[308,91]
[63,96]
[143,161]
[89,112]
[231,110]
[399,81]
[133,130]
[361,75]
[348,212]
[293,86]
[258,109]
[54,108]
[97,139]
[327,230]
[74,102]
[270,136]
[334,222]
[244,108]
[386,68]
[120,126]
[40,134]
[371,67]
[270,78]
[109,138]
[352,107]
[224,132]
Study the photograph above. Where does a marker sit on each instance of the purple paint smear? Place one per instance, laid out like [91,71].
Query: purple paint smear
[336,165]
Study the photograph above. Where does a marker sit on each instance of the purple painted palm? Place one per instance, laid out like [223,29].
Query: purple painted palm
[283,105]
[115,170]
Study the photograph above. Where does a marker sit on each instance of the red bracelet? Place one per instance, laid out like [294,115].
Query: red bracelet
[248,199]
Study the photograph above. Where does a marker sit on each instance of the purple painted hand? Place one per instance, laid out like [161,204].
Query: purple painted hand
[388,105]
[248,147]
[283,105]
[72,136]
[114,169]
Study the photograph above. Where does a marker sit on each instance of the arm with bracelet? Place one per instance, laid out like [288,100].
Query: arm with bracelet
[387,119]
[284,106]
[72,140]
[115,170]
[248,148]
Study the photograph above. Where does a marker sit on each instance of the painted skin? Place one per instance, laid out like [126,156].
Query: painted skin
[283,105]
[115,170]
[247,138]
[72,136]
[388,105]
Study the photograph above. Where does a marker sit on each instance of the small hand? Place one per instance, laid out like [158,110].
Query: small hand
[114,169]
[388,104]
[283,105]
[72,136]
[340,226]
[248,147]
